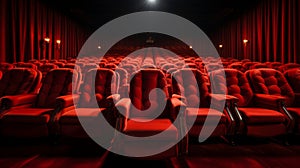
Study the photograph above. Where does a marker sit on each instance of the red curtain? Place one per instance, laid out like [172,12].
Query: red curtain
[272,29]
[25,23]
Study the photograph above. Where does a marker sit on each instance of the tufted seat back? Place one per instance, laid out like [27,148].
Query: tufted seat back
[111,66]
[270,81]
[18,81]
[192,84]
[141,84]
[103,81]
[233,83]
[237,65]
[57,82]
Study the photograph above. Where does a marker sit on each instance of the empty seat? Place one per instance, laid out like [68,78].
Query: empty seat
[31,115]
[293,78]
[19,81]
[148,112]
[192,85]
[89,108]
[259,107]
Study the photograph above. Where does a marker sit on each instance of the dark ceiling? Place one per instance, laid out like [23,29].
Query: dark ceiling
[207,14]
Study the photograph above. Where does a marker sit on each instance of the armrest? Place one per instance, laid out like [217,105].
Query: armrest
[222,97]
[182,98]
[67,100]
[123,106]
[17,100]
[122,113]
[114,97]
[266,100]
[177,103]
[177,106]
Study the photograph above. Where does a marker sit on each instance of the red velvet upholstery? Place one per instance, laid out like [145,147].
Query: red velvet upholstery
[253,115]
[288,66]
[259,65]
[237,65]
[104,81]
[144,81]
[33,117]
[293,77]
[4,67]
[185,83]
[19,81]
[271,81]
[27,65]
[46,67]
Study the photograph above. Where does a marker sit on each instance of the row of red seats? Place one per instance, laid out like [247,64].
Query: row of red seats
[256,103]
[247,122]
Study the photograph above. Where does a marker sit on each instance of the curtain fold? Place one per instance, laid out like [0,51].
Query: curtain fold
[25,23]
[272,28]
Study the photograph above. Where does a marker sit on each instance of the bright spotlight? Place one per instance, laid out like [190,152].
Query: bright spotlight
[151,1]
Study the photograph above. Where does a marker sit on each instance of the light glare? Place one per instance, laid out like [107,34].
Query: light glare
[151,1]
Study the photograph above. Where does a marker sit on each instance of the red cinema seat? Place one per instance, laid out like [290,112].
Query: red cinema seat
[19,81]
[193,86]
[293,78]
[32,115]
[260,102]
[148,112]
[258,114]
[89,108]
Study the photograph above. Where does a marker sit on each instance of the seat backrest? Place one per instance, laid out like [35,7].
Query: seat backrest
[270,81]
[4,67]
[46,67]
[27,65]
[293,77]
[57,82]
[191,83]
[287,66]
[59,64]
[141,84]
[212,67]
[105,83]
[234,83]
[259,65]
[237,65]
[18,81]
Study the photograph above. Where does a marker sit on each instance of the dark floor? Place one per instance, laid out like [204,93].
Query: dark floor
[249,152]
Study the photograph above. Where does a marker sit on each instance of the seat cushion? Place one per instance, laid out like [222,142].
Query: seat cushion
[260,115]
[71,117]
[294,110]
[201,114]
[150,128]
[27,115]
